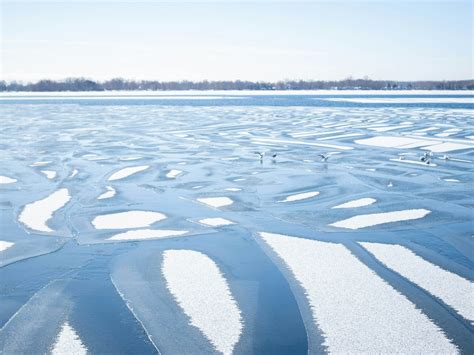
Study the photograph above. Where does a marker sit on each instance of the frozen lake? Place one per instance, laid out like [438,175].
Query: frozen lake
[147,223]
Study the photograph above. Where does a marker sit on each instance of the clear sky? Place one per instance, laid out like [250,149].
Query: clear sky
[218,40]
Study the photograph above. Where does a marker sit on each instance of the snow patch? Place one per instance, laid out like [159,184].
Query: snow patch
[357,203]
[202,292]
[126,172]
[216,201]
[369,220]
[68,342]
[129,219]
[7,180]
[453,289]
[357,311]
[4,245]
[35,215]
[302,196]
[173,173]
[216,222]
[50,174]
[108,194]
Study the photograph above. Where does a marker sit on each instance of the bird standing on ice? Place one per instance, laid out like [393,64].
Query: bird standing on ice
[324,157]
[261,155]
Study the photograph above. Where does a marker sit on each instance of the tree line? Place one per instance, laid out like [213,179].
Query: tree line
[82,84]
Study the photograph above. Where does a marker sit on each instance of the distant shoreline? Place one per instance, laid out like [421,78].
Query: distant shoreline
[86,85]
[231,94]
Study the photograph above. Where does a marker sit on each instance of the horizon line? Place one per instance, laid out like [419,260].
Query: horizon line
[85,78]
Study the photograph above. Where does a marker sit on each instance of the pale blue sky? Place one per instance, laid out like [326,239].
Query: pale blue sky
[260,40]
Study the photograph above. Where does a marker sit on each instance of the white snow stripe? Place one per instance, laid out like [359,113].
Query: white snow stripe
[215,222]
[173,173]
[356,310]
[301,196]
[202,292]
[4,245]
[216,201]
[357,203]
[126,172]
[128,219]
[108,194]
[369,220]
[50,174]
[7,180]
[35,215]
[68,342]
[453,289]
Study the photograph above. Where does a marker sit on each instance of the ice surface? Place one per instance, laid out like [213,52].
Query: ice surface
[215,222]
[356,310]
[323,145]
[416,162]
[454,290]
[405,100]
[301,196]
[143,234]
[129,219]
[203,293]
[216,201]
[35,215]
[448,147]
[68,342]
[390,142]
[126,172]
[435,146]
[88,140]
[7,180]
[389,128]
[361,202]
[369,220]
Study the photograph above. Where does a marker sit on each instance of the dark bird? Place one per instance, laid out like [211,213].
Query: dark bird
[324,157]
[426,157]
